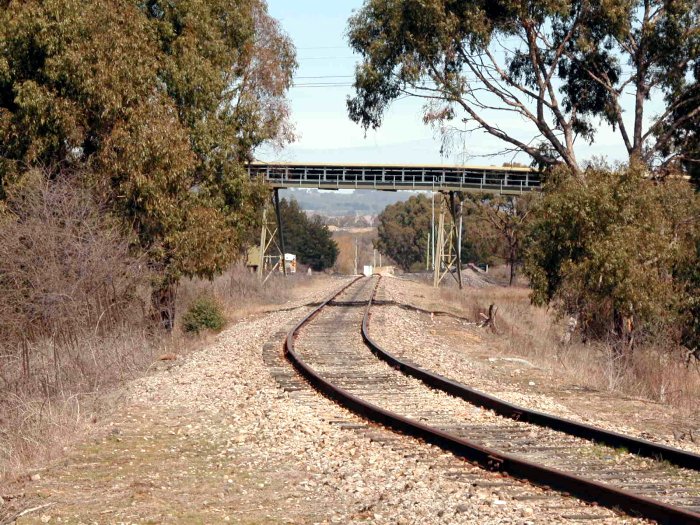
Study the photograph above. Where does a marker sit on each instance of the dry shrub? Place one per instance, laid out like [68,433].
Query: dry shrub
[240,291]
[72,301]
[652,372]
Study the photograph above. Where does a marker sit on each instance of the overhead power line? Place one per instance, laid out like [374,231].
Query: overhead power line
[322,47]
[301,59]
[321,85]
[327,76]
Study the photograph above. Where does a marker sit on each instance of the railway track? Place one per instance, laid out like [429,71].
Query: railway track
[333,350]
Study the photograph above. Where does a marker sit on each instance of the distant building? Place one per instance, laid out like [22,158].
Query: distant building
[253,260]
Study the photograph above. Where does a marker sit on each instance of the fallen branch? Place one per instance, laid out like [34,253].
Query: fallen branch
[490,319]
[25,512]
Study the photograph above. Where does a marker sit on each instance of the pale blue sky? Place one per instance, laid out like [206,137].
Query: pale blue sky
[326,134]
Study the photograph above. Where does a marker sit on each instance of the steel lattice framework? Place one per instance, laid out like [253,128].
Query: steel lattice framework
[493,179]
[450,181]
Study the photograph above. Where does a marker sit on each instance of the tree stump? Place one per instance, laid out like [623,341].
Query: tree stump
[490,319]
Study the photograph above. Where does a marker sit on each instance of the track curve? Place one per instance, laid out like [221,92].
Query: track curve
[640,447]
[366,386]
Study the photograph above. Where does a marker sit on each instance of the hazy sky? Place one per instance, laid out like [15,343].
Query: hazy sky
[325,132]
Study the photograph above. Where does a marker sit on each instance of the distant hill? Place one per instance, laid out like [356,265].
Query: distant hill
[343,202]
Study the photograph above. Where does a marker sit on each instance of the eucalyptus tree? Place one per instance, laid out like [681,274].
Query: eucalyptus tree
[558,66]
[504,221]
[621,253]
[157,104]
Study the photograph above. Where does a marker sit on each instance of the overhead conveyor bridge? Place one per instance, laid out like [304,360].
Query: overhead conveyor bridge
[492,179]
[451,182]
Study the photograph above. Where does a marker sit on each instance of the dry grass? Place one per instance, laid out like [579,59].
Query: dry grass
[74,318]
[241,292]
[75,379]
[653,372]
[36,425]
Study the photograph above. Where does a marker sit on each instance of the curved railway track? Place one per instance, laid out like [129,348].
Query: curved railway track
[333,349]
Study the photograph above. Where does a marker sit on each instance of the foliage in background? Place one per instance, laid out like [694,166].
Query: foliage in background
[681,127]
[157,104]
[205,313]
[309,238]
[619,252]
[501,222]
[558,67]
[404,232]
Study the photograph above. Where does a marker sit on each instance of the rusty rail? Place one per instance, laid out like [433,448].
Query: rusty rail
[493,460]
[640,447]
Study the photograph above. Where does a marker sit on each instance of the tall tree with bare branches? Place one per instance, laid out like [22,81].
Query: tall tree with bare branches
[560,67]
[505,220]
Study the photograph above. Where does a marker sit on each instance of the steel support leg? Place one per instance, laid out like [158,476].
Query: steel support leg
[439,246]
[449,239]
[456,227]
[270,240]
[263,245]
[276,198]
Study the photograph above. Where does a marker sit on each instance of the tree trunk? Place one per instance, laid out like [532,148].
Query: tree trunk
[624,335]
[512,274]
[163,299]
[513,259]
[490,319]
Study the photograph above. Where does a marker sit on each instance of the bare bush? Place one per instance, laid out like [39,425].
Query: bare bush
[64,267]
[72,301]
[652,372]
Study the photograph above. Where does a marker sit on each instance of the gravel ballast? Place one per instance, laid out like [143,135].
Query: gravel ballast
[213,438]
[463,352]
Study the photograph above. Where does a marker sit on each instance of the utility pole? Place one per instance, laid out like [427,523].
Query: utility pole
[432,227]
[427,253]
[355,255]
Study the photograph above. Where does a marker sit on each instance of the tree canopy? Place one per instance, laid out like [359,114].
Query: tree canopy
[308,238]
[559,67]
[157,105]
[404,232]
[620,252]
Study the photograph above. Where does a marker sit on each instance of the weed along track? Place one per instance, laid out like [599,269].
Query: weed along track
[333,349]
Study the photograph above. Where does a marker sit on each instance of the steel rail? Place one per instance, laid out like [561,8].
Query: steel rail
[586,489]
[640,447]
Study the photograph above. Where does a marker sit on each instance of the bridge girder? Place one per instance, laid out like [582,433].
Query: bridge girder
[492,179]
